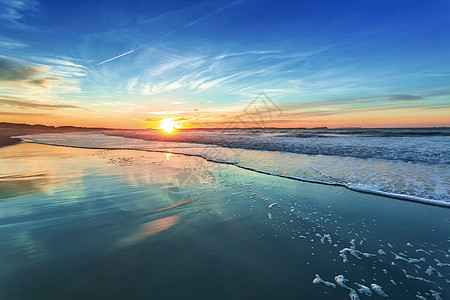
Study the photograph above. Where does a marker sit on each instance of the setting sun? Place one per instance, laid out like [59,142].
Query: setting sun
[169,125]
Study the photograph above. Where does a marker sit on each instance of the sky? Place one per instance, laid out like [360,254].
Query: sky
[129,64]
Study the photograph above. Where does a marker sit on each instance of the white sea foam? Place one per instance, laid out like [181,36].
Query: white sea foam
[407,259]
[419,278]
[353,252]
[325,237]
[430,271]
[378,289]
[424,251]
[341,280]
[436,295]
[381,252]
[441,264]
[319,280]
[362,289]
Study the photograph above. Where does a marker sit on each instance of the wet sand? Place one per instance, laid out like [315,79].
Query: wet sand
[83,223]
[7,140]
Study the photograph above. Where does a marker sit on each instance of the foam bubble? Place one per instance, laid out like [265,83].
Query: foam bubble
[378,289]
[436,295]
[407,259]
[341,280]
[352,251]
[319,280]
[430,271]
[441,264]
[421,250]
[362,289]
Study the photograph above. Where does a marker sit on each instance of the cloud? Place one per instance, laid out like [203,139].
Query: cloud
[404,97]
[21,74]
[131,84]
[10,44]
[63,67]
[439,74]
[20,114]
[13,11]
[168,112]
[24,74]
[231,72]
[44,82]
[18,103]
[14,70]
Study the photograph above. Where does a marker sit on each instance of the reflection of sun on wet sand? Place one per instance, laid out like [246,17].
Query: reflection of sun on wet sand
[157,226]
[151,228]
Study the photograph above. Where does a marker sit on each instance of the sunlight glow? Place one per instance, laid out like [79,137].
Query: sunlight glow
[169,125]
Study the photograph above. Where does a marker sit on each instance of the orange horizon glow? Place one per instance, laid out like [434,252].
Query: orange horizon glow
[366,119]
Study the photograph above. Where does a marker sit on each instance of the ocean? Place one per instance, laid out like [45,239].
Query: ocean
[237,214]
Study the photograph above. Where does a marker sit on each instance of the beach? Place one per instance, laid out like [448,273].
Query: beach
[110,223]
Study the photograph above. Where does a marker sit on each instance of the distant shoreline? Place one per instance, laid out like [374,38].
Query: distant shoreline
[8,130]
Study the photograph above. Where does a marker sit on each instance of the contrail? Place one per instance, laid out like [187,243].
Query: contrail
[176,29]
[115,57]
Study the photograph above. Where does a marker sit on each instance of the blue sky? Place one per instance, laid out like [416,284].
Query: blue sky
[131,63]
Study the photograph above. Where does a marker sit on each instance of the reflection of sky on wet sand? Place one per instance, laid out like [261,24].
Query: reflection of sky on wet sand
[45,190]
[79,173]
[23,183]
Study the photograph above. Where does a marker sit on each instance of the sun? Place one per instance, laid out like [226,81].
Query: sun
[169,125]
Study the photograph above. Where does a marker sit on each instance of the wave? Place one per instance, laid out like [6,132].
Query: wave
[426,149]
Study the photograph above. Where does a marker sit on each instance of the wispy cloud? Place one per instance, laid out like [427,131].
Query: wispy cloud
[27,85]
[12,70]
[11,44]
[15,102]
[22,114]
[230,71]
[190,24]
[13,11]
[24,74]
[438,74]
[404,97]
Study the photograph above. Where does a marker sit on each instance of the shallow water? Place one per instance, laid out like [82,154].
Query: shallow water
[84,223]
